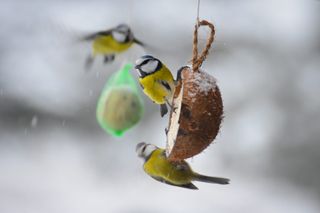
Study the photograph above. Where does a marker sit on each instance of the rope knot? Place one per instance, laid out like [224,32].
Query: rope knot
[197,61]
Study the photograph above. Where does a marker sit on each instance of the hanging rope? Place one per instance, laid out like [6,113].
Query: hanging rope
[197,61]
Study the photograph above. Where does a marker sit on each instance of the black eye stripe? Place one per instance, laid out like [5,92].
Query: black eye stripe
[142,74]
[144,148]
[159,65]
[144,62]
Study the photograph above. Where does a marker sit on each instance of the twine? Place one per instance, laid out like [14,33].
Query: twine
[197,61]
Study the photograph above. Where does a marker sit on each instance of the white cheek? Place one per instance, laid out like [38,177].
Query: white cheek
[149,67]
[139,61]
[119,37]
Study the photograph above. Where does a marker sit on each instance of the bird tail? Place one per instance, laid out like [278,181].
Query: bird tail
[138,42]
[209,179]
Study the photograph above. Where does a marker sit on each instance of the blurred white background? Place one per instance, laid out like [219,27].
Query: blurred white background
[55,158]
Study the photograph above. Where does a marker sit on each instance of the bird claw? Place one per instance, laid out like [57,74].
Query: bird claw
[166,131]
[174,109]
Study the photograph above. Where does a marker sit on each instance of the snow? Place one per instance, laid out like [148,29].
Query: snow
[204,83]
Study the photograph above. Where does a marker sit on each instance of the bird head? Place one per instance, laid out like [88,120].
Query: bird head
[147,65]
[145,150]
[122,33]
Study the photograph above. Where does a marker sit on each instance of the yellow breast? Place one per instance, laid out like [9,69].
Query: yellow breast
[158,166]
[108,45]
[153,88]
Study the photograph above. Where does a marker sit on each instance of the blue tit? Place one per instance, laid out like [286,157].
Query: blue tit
[173,173]
[111,42]
[156,81]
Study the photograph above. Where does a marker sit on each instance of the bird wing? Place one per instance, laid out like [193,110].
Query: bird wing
[165,84]
[188,185]
[94,35]
[183,166]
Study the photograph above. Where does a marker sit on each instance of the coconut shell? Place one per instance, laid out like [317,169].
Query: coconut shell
[197,115]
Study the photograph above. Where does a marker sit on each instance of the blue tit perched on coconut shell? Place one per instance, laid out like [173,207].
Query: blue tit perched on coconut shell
[156,81]
[179,174]
[111,42]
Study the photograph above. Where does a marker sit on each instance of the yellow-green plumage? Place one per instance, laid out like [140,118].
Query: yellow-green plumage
[153,85]
[159,167]
[106,44]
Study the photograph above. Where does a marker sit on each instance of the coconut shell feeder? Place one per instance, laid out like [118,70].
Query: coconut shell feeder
[198,109]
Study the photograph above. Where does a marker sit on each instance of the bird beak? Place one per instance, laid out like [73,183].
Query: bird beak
[137,67]
[139,145]
[139,148]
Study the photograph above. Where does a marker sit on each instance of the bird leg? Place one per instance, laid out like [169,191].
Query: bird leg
[171,106]
[109,58]
[89,62]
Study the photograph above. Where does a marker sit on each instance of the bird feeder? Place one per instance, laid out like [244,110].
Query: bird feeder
[198,109]
[120,106]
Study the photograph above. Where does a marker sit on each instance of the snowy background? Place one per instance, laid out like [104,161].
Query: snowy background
[54,157]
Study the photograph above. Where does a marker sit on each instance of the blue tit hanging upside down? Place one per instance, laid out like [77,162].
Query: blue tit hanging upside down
[177,174]
[156,81]
[111,42]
